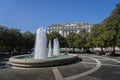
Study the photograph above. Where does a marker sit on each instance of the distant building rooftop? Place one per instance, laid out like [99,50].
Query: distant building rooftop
[65,29]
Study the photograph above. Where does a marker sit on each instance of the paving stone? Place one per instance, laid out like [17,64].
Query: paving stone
[109,62]
[71,70]
[106,72]
[27,74]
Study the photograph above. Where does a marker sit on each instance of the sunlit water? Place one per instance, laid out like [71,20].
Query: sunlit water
[56,50]
[50,50]
[41,44]
[61,56]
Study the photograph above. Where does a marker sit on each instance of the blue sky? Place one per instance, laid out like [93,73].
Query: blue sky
[28,15]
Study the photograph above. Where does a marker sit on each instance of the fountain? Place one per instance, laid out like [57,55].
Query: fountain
[41,44]
[49,49]
[56,50]
[42,58]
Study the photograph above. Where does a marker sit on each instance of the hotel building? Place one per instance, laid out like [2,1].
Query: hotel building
[65,29]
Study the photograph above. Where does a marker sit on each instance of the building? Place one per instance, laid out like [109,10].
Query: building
[65,29]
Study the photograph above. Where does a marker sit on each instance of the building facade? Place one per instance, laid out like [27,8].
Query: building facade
[65,29]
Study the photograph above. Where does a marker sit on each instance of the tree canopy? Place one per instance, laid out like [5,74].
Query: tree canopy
[107,33]
[12,39]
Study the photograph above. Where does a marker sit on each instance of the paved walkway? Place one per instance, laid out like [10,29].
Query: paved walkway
[92,67]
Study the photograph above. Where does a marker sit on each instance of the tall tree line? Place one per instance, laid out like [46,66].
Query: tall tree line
[107,33]
[12,39]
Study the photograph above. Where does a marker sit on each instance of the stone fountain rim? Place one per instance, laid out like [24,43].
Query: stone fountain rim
[14,61]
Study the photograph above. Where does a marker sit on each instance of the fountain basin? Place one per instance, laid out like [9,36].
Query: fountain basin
[26,61]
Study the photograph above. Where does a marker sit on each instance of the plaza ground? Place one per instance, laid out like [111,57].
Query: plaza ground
[92,67]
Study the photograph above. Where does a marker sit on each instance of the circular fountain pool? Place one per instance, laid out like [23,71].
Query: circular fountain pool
[42,57]
[28,61]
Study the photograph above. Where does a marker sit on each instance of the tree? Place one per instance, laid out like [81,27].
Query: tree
[96,37]
[28,40]
[71,38]
[3,37]
[83,36]
[13,38]
[83,32]
[78,41]
[112,27]
[118,42]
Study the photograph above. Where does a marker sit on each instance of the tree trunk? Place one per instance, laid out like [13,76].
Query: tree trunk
[102,50]
[113,52]
[73,50]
